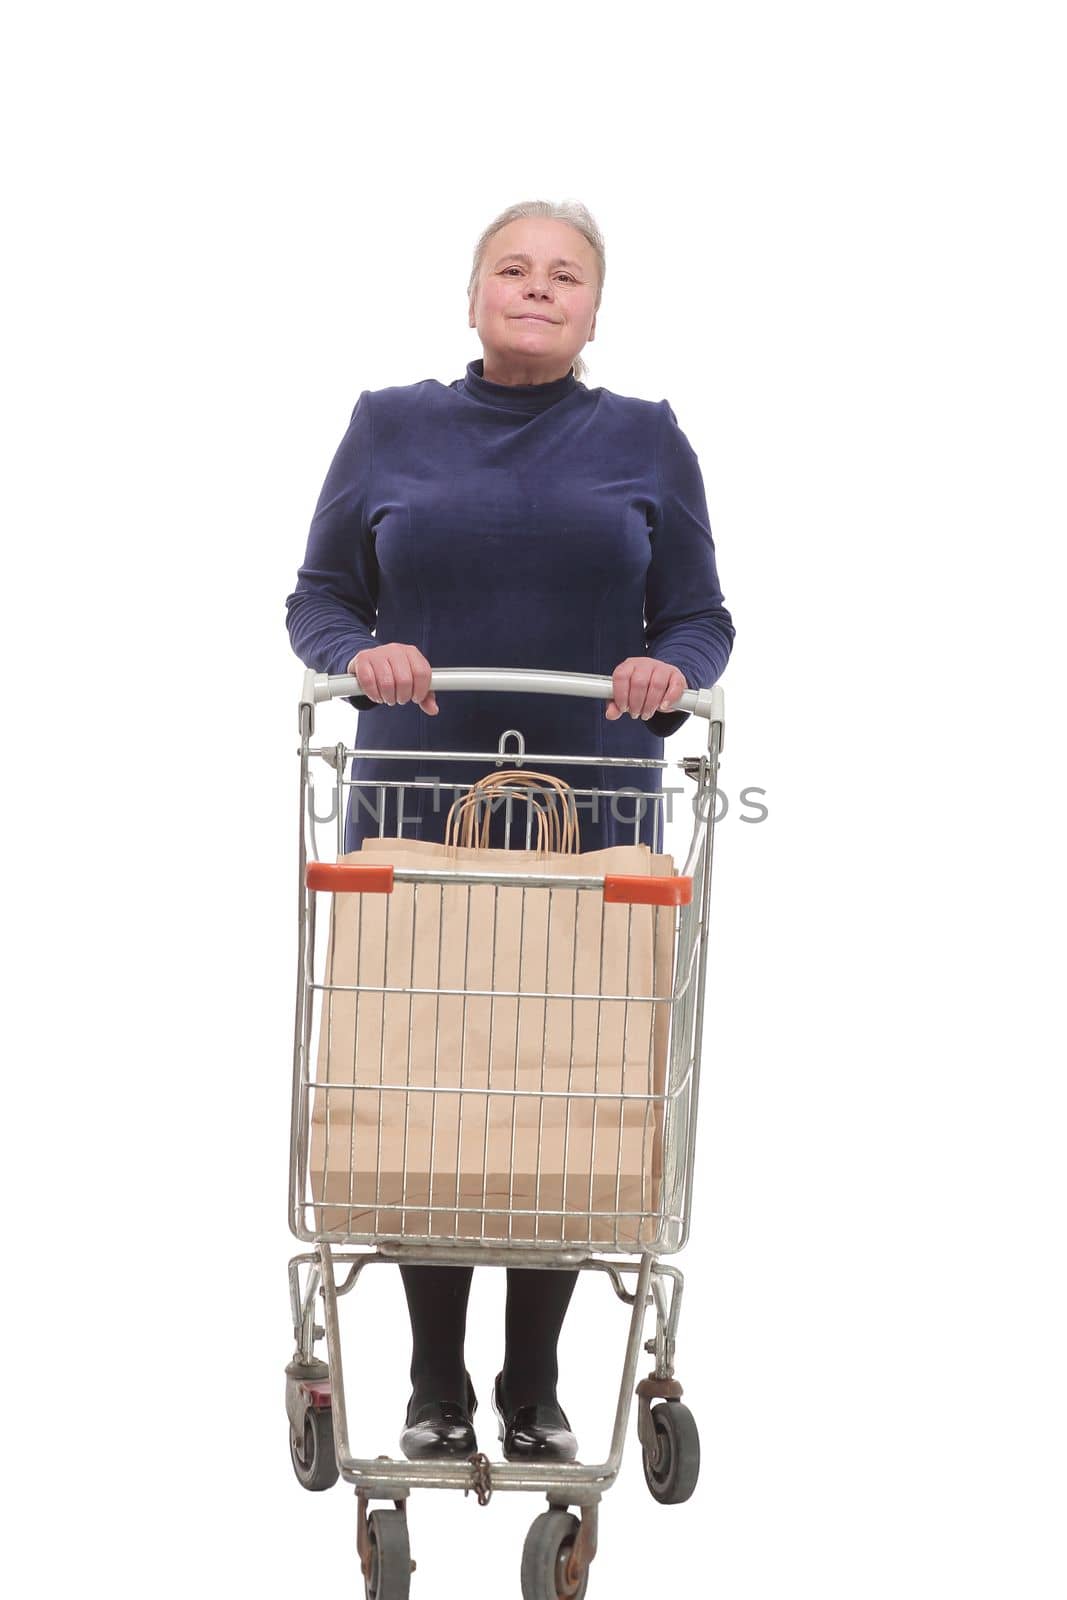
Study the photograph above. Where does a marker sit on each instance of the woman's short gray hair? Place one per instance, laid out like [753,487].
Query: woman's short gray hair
[569,211]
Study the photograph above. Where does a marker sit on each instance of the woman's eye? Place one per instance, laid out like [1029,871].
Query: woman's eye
[565,275]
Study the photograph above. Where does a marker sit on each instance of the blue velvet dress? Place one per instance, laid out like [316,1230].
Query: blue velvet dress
[544,525]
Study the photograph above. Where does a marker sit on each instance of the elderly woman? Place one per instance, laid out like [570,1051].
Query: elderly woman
[512,518]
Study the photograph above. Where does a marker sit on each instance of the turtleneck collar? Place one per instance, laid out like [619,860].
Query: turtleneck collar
[527,397]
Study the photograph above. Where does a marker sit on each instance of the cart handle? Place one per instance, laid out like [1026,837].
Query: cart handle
[319,686]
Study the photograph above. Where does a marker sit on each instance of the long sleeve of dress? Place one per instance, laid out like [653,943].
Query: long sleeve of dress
[686,622]
[332,611]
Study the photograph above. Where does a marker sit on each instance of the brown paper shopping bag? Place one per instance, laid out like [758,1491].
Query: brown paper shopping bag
[528,991]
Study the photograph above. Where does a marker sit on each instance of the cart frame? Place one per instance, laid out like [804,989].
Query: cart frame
[314,1388]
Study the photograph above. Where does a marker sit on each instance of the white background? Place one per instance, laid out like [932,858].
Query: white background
[835,244]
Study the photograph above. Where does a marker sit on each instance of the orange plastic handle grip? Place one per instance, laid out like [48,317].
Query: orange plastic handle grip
[338,877]
[622,889]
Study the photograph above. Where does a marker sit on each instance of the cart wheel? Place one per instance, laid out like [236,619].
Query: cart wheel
[544,1559]
[314,1457]
[672,1467]
[390,1556]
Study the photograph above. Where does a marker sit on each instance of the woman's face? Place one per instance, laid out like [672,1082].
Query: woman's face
[534,302]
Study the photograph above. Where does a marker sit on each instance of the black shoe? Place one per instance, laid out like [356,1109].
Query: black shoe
[440,1428]
[534,1432]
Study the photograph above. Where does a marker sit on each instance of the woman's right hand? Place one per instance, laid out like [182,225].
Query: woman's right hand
[395,674]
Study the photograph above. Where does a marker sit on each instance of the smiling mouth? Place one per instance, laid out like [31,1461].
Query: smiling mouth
[530,318]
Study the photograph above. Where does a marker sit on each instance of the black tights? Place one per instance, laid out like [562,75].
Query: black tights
[537,1302]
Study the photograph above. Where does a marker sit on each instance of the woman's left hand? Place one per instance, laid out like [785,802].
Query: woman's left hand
[642,686]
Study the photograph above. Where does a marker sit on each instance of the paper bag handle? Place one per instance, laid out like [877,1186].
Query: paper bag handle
[563,836]
[552,834]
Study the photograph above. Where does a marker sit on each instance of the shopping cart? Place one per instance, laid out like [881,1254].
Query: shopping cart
[597,1237]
